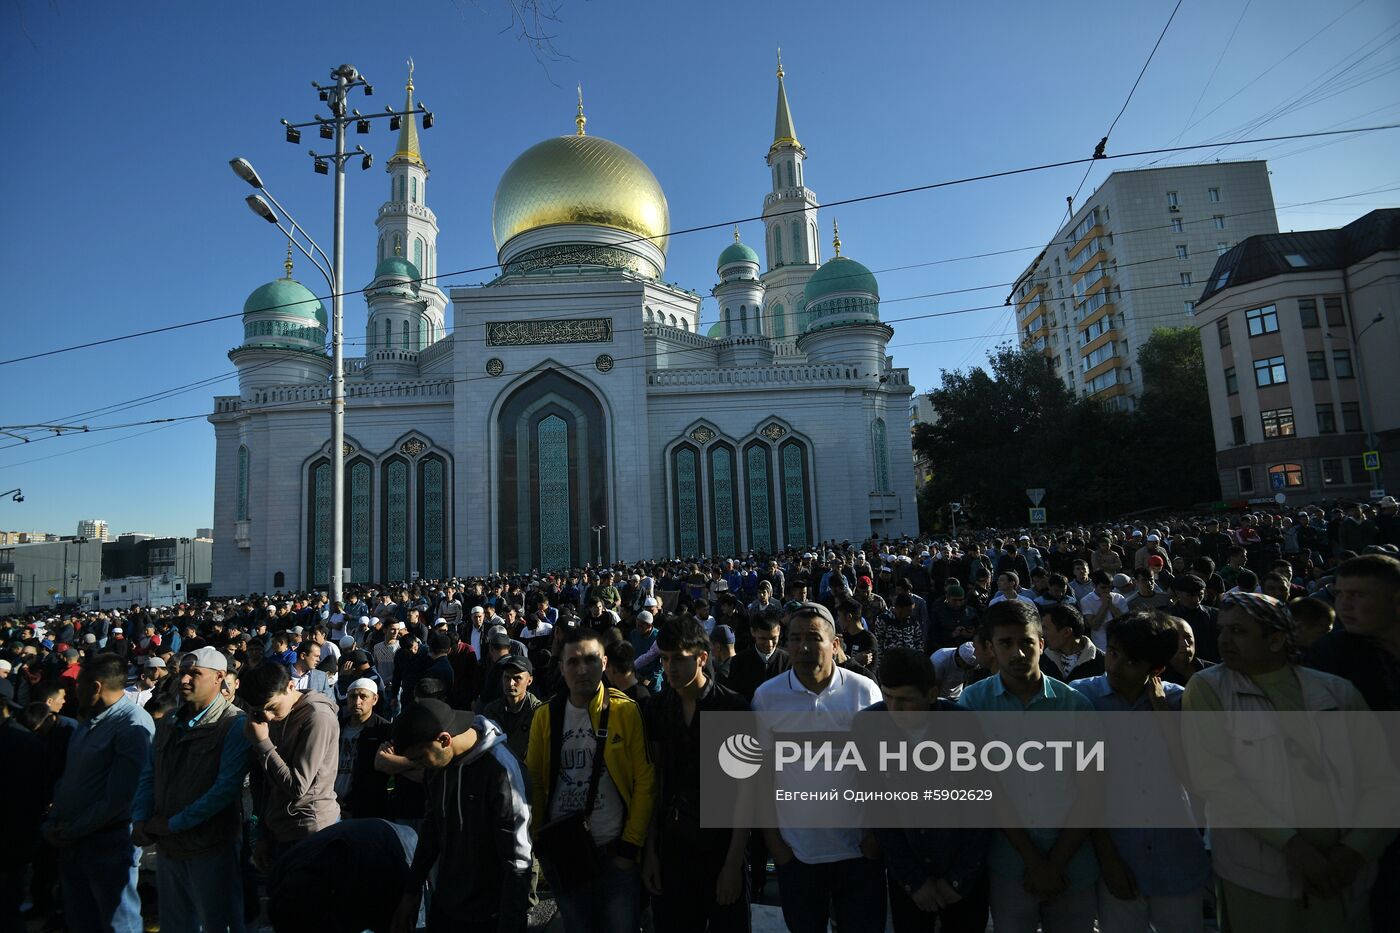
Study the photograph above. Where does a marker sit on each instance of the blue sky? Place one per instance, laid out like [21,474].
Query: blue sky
[121,213]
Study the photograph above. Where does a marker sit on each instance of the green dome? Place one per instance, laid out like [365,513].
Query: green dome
[286,297]
[716,330]
[736,252]
[397,265]
[840,274]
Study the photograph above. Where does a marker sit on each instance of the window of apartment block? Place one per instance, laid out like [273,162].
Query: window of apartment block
[1326,419]
[1222,327]
[1185,280]
[1335,317]
[1237,428]
[1171,199]
[1219,220]
[1277,422]
[1176,225]
[1307,312]
[1189,306]
[1270,371]
[1213,194]
[1262,321]
[1232,382]
[1181,251]
[1317,364]
[1332,471]
[1356,470]
[1222,248]
[1341,364]
[1245,476]
[1351,416]
[1292,474]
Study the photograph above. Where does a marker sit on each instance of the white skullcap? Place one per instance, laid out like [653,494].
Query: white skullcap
[364,683]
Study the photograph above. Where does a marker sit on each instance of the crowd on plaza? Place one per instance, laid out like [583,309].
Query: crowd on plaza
[440,754]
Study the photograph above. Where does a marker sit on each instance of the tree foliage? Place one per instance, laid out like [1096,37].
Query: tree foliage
[1014,426]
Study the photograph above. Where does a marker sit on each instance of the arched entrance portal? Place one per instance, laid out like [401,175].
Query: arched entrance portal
[552,473]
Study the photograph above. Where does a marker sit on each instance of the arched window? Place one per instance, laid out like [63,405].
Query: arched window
[552,439]
[359,518]
[779,321]
[418,335]
[799,252]
[796,494]
[394,521]
[882,462]
[685,491]
[743,319]
[728,325]
[418,253]
[403,342]
[1286,476]
[759,487]
[413,190]
[279,580]
[432,517]
[241,512]
[724,503]
[388,341]
[399,185]
[380,254]
[777,245]
[318,524]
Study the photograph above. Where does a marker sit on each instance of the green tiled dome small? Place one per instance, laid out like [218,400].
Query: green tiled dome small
[397,265]
[286,297]
[840,274]
[716,330]
[736,252]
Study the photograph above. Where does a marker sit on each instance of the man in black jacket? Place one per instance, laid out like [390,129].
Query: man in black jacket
[761,660]
[477,826]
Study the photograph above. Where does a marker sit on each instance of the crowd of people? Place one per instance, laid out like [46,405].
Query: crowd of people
[441,754]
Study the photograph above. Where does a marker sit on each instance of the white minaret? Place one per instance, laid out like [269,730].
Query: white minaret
[790,224]
[407,226]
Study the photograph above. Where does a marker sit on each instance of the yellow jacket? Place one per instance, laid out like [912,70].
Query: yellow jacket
[626,756]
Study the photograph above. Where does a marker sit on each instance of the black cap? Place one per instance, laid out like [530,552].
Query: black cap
[425,720]
[515,662]
[498,638]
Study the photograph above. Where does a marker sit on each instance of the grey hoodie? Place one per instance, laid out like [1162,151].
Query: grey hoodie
[298,762]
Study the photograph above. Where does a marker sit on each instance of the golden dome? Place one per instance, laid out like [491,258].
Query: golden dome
[580,180]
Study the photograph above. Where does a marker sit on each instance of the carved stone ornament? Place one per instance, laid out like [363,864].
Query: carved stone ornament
[494,366]
[702,435]
[773,431]
[604,363]
[413,447]
[347,448]
[535,333]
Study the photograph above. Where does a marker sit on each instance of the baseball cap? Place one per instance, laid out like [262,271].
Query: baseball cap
[209,658]
[425,720]
[816,609]
[155,662]
[866,580]
[516,662]
[364,683]
[357,657]
[955,591]
[498,639]
[723,634]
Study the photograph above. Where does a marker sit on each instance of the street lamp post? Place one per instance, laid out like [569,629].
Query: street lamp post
[598,533]
[334,126]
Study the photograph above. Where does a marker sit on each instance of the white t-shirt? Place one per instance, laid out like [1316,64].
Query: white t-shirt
[575,768]
[834,710]
[1089,606]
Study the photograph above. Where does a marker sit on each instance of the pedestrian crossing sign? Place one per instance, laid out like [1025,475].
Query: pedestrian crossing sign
[1037,516]
[1371,460]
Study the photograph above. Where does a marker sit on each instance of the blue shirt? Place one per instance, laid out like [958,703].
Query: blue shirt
[233,765]
[1165,862]
[105,757]
[991,696]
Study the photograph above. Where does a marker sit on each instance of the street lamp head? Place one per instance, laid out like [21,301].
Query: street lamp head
[347,72]
[258,206]
[322,168]
[427,119]
[366,162]
[293,134]
[327,132]
[18,496]
[369,90]
[244,170]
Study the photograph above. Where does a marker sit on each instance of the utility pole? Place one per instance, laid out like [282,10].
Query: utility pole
[333,127]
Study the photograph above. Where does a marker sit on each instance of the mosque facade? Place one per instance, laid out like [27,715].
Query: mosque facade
[572,410]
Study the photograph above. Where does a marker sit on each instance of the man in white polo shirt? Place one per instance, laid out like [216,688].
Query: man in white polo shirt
[822,872]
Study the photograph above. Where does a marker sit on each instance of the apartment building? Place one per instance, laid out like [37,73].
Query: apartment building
[1133,257]
[1301,334]
[921,411]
